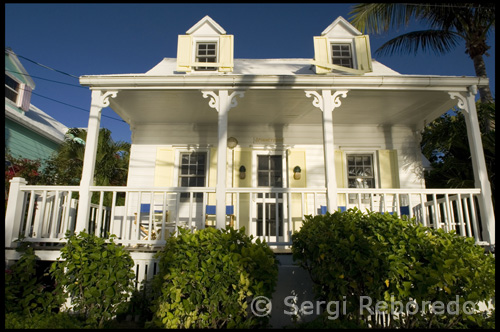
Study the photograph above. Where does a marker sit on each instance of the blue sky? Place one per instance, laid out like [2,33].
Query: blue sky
[93,39]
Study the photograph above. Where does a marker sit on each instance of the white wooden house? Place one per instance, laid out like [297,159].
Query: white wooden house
[260,143]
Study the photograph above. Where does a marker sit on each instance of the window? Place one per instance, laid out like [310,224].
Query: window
[192,173]
[206,52]
[270,171]
[360,175]
[11,89]
[342,55]
[360,171]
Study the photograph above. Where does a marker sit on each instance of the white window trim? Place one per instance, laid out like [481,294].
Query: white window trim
[210,39]
[269,152]
[177,163]
[18,92]
[343,41]
[373,153]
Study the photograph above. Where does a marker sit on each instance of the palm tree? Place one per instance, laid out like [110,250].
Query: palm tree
[449,24]
[111,166]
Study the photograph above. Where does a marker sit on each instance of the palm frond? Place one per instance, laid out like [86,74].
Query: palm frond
[380,17]
[438,41]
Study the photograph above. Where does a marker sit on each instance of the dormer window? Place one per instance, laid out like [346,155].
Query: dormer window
[11,89]
[206,52]
[205,43]
[341,48]
[342,55]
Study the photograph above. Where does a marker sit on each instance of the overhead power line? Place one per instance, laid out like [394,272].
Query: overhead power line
[46,79]
[39,64]
[82,109]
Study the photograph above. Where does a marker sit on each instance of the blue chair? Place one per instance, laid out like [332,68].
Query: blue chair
[323,209]
[210,210]
[157,219]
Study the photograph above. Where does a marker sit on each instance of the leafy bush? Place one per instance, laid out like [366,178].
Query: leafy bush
[207,278]
[352,254]
[96,274]
[26,291]
[61,320]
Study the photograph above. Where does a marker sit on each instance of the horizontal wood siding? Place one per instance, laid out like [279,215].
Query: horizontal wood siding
[147,138]
[26,144]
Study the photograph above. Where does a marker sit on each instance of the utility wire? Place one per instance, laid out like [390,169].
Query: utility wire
[39,64]
[82,109]
[46,79]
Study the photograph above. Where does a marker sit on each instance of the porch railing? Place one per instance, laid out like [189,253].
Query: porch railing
[147,217]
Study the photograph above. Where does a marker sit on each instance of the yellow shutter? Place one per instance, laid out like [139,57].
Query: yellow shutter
[340,175]
[340,169]
[184,53]
[388,168]
[164,167]
[297,157]
[226,53]
[363,53]
[321,54]
[242,157]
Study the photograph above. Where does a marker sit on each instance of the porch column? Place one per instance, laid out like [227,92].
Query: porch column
[468,104]
[99,101]
[327,102]
[14,211]
[222,103]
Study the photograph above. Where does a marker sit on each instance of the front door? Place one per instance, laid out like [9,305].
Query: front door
[269,206]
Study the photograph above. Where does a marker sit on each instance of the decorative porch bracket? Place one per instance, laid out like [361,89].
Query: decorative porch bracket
[468,105]
[100,100]
[222,103]
[327,102]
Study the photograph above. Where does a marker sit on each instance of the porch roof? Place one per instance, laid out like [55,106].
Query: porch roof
[274,94]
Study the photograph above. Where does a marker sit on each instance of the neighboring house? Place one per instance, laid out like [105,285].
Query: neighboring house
[260,143]
[29,132]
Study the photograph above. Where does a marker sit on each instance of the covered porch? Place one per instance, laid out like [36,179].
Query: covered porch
[147,213]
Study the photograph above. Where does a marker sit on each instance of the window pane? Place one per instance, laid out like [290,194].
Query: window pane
[263,179]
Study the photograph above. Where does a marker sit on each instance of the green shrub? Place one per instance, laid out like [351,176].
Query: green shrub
[26,289]
[97,276]
[61,320]
[352,255]
[207,278]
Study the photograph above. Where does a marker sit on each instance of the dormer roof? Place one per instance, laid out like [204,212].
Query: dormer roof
[341,28]
[207,27]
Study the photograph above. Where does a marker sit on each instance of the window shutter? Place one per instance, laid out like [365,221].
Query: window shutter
[363,53]
[184,53]
[164,167]
[340,167]
[321,54]
[388,168]
[226,53]
[297,157]
[242,157]
[24,97]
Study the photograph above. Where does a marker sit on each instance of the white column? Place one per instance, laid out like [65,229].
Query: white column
[98,102]
[222,103]
[327,102]
[468,105]
[14,211]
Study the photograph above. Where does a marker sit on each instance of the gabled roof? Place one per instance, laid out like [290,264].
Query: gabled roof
[38,121]
[14,68]
[206,24]
[341,28]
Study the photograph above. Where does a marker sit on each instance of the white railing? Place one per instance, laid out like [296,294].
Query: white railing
[147,217]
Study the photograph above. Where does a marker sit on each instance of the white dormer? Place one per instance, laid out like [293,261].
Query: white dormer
[205,48]
[342,47]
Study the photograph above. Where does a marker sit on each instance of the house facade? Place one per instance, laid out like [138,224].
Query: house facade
[259,143]
[29,132]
